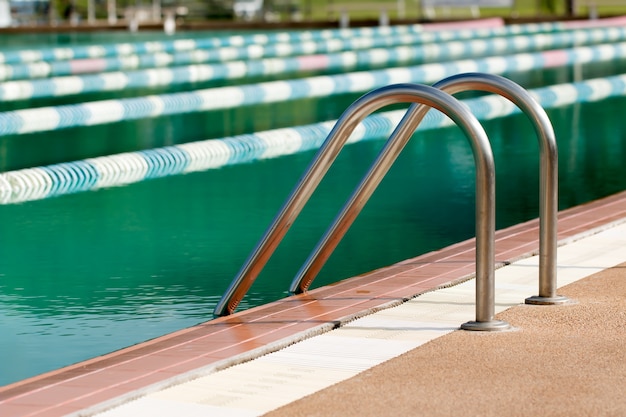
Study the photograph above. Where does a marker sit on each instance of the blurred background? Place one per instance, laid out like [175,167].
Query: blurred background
[196,14]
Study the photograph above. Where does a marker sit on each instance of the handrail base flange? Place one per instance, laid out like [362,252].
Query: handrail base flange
[486,326]
[547,301]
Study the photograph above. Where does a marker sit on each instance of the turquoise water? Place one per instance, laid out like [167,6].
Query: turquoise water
[59,39]
[89,273]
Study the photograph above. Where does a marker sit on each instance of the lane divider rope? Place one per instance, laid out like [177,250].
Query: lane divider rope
[20,56]
[110,111]
[116,81]
[219,41]
[203,54]
[125,168]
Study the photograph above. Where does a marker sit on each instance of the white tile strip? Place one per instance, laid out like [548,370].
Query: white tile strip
[266,383]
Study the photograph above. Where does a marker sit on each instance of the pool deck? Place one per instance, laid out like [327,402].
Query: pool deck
[386,341]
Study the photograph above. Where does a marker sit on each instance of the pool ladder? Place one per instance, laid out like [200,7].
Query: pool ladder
[422,97]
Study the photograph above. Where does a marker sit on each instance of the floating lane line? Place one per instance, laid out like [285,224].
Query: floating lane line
[130,48]
[110,111]
[123,49]
[198,55]
[43,69]
[125,168]
[469,28]
[115,81]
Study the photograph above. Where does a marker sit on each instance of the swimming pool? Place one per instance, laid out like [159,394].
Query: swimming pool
[89,272]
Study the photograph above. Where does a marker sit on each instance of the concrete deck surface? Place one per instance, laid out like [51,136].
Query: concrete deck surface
[559,361]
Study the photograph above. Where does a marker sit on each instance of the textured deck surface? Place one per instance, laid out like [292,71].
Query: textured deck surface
[561,361]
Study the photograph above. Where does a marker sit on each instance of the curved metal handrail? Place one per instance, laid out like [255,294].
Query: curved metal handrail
[361,108]
[548,192]
[548,170]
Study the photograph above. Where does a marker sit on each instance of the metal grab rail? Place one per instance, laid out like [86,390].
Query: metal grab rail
[548,170]
[361,108]
[548,193]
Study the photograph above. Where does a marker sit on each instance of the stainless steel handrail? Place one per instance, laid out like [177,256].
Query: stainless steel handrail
[548,170]
[361,108]
[548,193]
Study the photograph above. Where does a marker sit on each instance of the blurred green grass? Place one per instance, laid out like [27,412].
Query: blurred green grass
[319,9]
[324,10]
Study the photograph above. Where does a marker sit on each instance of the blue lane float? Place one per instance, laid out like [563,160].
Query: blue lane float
[160,59]
[43,69]
[125,168]
[430,32]
[110,111]
[488,27]
[135,48]
[115,81]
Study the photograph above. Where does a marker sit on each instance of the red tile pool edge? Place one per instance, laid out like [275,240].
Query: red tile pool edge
[120,375]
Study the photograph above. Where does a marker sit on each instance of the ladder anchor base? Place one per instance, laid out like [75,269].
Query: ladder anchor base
[486,326]
[547,301]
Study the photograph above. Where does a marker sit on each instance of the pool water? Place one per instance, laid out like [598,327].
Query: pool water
[85,274]
[59,39]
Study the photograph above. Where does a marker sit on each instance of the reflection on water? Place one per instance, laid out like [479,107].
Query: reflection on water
[63,330]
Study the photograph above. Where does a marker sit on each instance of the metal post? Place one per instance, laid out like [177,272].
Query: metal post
[344,19]
[111,12]
[91,11]
[401,9]
[383,19]
[156,10]
[428,96]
